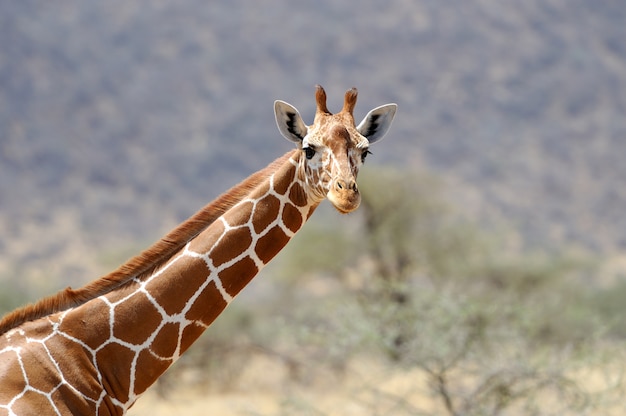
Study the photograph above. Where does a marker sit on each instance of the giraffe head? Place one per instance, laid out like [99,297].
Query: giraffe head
[333,147]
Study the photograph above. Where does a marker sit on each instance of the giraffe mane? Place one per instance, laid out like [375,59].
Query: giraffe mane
[145,262]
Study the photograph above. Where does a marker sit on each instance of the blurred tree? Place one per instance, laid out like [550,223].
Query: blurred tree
[455,303]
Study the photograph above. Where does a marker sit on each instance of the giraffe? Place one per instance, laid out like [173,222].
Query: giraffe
[95,350]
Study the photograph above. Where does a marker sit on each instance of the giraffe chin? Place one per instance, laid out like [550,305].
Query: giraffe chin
[345,204]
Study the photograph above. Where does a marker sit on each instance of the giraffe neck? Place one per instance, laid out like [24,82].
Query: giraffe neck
[122,341]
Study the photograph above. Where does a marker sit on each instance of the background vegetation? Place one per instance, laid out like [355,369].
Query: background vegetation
[475,325]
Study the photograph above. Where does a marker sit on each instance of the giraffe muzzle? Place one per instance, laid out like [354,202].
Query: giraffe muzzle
[344,195]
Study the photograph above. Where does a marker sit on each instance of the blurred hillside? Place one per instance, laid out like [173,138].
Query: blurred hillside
[119,119]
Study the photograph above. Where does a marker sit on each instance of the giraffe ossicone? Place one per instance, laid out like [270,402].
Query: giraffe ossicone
[95,350]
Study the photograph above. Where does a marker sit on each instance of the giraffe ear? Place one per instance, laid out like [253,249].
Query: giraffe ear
[289,122]
[377,122]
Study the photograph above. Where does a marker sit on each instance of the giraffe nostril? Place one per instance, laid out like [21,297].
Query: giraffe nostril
[347,185]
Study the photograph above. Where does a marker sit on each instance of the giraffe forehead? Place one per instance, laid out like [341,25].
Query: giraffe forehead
[339,140]
[336,132]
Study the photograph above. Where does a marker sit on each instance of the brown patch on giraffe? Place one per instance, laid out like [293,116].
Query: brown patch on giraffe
[11,374]
[79,370]
[207,238]
[187,275]
[140,310]
[235,277]
[162,344]
[74,407]
[207,306]
[297,195]
[114,363]
[265,212]
[191,333]
[36,362]
[121,293]
[108,408]
[311,211]
[151,367]
[32,400]
[35,330]
[292,217]
[233,244]
[241,215]
[281,185]
[339,132]
[89,323]
[270,244]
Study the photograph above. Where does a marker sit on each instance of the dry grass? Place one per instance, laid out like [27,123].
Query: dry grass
[366,387]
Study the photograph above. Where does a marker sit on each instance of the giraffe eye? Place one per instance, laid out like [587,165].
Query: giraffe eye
[309,152]
[364,155]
